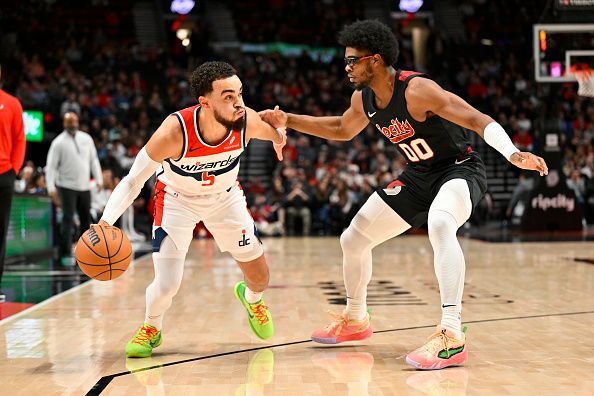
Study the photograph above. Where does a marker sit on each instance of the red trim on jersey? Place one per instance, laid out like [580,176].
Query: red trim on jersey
[469,150]
[396,183]
[159,201]
[196,147]
[404,74]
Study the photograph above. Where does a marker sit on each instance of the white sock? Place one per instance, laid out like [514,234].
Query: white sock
[450,319]
[449,267]
[251,296]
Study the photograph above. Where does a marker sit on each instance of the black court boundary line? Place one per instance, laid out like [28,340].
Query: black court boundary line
[105,381]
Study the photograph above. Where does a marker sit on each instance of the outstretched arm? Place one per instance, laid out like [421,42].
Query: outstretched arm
[166,142]
[424,97]
[259,129]
[343,127]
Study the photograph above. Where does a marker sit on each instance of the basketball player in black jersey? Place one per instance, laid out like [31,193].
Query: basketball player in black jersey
[444,180]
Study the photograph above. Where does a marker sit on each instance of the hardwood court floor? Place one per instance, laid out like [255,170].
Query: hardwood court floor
[529,308]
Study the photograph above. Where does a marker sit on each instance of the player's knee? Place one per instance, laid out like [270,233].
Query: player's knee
[251,252]
[351,239]
[441,223]
[346,238]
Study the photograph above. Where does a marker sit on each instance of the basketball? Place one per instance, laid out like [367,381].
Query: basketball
[103,252]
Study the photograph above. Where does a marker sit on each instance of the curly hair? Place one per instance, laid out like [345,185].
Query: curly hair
[372,36]
[205,74]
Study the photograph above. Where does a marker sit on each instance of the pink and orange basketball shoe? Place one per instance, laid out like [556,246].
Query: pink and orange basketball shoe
[441,350]
[343,329]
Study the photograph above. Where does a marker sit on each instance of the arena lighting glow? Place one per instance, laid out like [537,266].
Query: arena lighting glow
[182,6]
[556,69]
[186,42]
[543,40]
[182,34]
[410,5]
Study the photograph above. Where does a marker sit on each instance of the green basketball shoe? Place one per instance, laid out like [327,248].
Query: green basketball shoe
[143,342]
[258,314]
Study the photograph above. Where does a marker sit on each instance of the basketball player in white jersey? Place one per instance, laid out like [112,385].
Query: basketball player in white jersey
[443,181]
[195,154]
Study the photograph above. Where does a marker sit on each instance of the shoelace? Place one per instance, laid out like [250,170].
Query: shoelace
[338,323]
[438,341]
[144,335]
[260,313]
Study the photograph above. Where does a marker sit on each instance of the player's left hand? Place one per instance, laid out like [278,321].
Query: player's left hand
[525,160]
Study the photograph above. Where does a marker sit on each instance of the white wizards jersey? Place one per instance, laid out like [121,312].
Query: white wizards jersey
[202,168]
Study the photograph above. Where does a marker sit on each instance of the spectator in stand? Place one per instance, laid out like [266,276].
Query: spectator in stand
[297,207]
[70,105]
[99,197]
[522,139]
[577,183]
[20,185]
[342,205]
[36,184]
[12,155]
[520,196]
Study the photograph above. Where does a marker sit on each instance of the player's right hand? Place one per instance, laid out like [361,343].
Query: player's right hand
[529,161]
[55,198]
[277,118]
[278,147]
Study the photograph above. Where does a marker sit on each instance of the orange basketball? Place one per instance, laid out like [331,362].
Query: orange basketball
[103,252]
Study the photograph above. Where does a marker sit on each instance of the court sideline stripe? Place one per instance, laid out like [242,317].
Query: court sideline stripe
[57,296]
[105,381]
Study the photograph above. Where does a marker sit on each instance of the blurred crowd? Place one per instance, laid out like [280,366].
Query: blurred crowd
[122,93]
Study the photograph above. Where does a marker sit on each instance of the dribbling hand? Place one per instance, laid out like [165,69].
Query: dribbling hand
[529,161]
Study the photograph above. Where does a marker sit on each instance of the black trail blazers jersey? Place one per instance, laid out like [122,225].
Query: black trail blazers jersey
[427,145]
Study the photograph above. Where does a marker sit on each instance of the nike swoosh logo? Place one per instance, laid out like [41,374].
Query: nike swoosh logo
[194,149]
[371,114]
[459,162]
[448,353]
[447,305]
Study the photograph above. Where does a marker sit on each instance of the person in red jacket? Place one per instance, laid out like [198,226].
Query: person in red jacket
[12,155]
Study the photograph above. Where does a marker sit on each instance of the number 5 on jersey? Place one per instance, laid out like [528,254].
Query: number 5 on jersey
[208,180]
[418,150]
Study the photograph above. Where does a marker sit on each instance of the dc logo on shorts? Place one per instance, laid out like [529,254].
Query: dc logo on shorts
[244,241]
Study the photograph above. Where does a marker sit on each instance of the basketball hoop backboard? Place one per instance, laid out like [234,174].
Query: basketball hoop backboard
[557,47]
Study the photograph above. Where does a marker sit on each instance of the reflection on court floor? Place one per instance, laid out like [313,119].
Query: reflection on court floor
[521,300]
